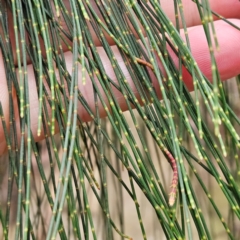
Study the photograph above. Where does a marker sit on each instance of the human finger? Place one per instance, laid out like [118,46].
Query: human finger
[226,8]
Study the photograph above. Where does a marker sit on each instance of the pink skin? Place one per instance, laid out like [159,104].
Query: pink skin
[228,61]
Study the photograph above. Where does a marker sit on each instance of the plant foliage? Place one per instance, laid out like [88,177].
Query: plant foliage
[199,141]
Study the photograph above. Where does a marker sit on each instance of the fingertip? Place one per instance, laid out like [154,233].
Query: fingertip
[227,55]
[4,102]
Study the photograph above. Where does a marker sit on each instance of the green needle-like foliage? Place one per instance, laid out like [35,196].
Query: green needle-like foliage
[173,156]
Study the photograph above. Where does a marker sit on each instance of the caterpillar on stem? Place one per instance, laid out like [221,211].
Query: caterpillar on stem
[174,184]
